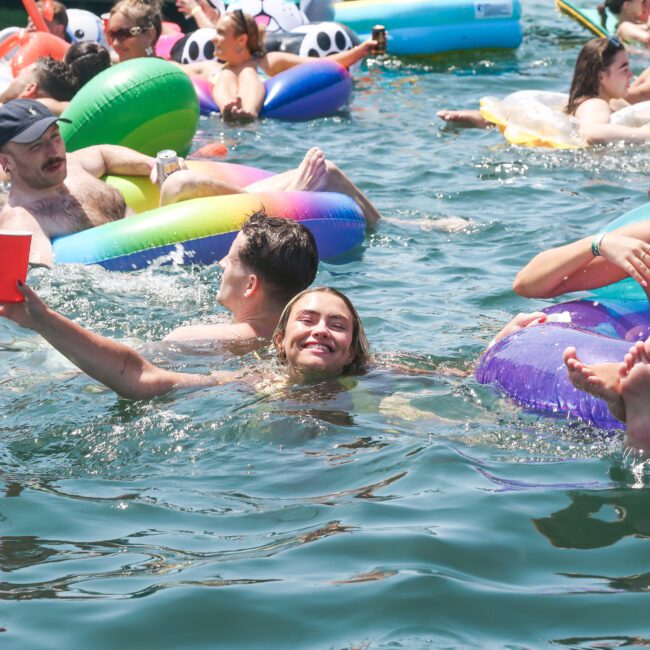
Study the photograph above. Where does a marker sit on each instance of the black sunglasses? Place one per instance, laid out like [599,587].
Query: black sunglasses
[124,32]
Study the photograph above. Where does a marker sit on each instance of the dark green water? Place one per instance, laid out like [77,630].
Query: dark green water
[407,512]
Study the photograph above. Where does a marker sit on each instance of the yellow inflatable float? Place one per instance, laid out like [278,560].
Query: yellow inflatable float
[536,118]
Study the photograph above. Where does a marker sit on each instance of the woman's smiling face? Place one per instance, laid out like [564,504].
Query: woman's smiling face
[127,45]
[318,337]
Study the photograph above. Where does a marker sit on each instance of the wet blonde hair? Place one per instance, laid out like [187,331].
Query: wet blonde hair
[359,341]
[144,13]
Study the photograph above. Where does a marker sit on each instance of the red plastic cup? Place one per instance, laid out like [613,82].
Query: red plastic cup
[14,257]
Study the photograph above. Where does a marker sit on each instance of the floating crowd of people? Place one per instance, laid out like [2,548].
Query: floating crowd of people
[316,332]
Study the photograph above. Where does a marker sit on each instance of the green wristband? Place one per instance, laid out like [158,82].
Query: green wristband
[596,242]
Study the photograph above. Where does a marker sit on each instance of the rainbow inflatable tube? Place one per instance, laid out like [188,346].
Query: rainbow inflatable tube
[147,104]
[304,92]
[200,231]
[527,365]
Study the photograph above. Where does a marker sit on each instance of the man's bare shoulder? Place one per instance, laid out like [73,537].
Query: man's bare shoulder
[16,217]
[221,332]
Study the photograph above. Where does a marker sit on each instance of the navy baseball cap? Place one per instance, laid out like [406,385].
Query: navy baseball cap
[25,120]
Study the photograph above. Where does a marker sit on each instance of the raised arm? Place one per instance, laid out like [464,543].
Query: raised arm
[275,62]
[573,267]
[103,159]
[114,364]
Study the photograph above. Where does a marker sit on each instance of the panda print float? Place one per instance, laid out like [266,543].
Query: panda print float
[273,15]
[85,26]
[323,39]
[316,40]
[197,46]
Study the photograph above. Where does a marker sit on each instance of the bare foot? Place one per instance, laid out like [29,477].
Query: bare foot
[635,391]
[227,112]
[240,114]
[600,379]
[465,118]
[311,175]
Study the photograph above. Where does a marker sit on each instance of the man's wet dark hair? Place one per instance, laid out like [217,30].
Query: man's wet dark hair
[87,59]
[282,253]
[55,79]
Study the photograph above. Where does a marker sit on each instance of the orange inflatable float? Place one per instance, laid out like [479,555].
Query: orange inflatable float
[32,46]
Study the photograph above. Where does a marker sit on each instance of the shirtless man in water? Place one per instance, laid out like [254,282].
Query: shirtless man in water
[54,193]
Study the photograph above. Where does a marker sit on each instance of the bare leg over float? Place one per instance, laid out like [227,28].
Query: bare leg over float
[314,174]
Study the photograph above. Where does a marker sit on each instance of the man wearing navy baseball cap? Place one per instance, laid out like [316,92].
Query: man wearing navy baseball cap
[54,193]
[25,120]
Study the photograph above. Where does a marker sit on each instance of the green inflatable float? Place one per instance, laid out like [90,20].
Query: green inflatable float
[147,104]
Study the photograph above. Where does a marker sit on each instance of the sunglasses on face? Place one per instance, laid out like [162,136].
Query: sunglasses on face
[124,33]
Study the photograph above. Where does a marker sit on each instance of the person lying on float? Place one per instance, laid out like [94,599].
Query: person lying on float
[54,193]
[239,53]
[600,87]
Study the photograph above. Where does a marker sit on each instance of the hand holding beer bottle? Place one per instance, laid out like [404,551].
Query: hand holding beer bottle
[379,36]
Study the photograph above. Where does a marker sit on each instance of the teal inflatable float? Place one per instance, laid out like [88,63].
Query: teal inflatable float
[431,27]
[589,17]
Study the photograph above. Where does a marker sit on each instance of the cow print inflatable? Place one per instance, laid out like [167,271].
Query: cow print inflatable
[316,40]
[193,47]
[273,15]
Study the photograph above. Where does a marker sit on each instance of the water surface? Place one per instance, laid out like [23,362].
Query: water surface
[404,512]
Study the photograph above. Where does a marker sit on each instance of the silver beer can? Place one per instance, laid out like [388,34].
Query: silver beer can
[166,164]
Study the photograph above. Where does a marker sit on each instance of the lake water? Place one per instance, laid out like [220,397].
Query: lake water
[405,512]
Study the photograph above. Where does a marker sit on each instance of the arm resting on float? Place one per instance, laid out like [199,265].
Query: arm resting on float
[632,32]
[275,62]
[114,364]
[103,159]
[548,273]
[594,116]
[608,133]
[573,267]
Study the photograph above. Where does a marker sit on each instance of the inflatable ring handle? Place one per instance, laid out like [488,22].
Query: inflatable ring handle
[35,15]
[11,41]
